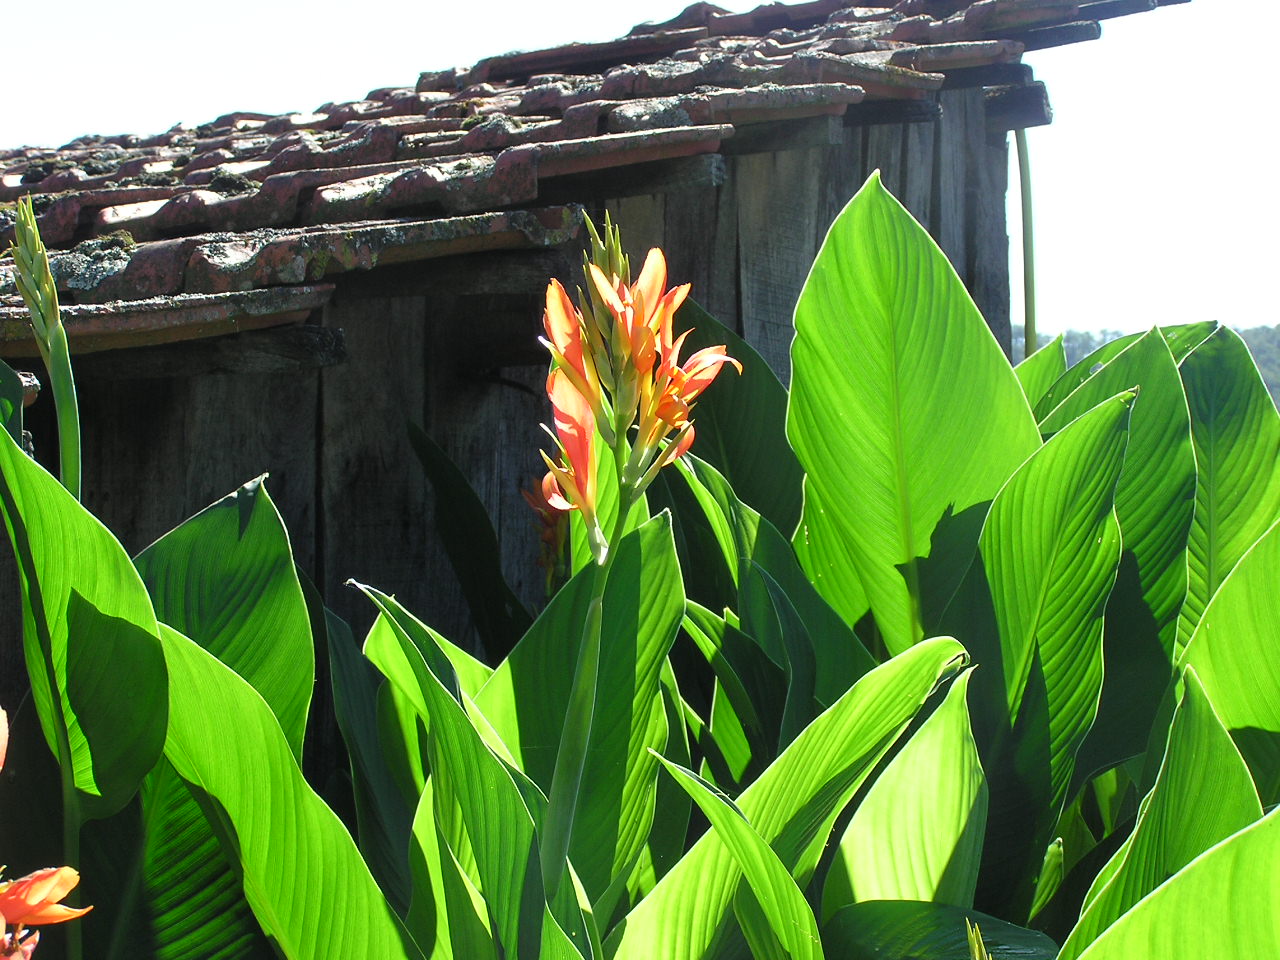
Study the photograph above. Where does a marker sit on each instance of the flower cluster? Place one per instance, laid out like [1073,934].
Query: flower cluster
[617,379]
[33,899]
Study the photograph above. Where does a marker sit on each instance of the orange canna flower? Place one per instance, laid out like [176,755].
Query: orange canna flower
[642,311]
[572,483]
[34,899]
[676,388]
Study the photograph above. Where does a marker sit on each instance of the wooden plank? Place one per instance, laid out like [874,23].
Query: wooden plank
[487,422]
[277,350]
[840,176]
[917,164]
[372,495]
[883,152]
[643,223]
[777,241]
[950,204]
[989,235]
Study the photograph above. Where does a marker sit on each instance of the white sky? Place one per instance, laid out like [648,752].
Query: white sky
[1153,193]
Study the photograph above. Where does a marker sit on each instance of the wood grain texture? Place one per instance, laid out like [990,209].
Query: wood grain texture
[372,493]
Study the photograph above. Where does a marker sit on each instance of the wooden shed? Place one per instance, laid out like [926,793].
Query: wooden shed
[283,293]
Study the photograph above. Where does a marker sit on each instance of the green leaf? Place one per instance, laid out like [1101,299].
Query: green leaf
[304,878]
[467,536]
[902,929]
[746,711]
[225,578]
[384,815]
[1049,552]
[528,694]
[1233,652]
[1203,795]
[770,617]
[1040,371]
[466,772]
[741,422]
[784,908]
[1221,904]
[903,408]
[917,834]
[792,805]
[747,540]
[1154,504]
[89,635]
[447,916]
[1182,339]
[1236,432]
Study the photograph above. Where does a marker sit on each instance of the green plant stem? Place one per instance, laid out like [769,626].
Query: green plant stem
[1028,247]
[35,282]
[575,738]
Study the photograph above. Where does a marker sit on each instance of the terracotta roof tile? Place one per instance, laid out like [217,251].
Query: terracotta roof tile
[255,200]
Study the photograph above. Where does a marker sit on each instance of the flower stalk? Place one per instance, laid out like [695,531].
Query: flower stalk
[35,282]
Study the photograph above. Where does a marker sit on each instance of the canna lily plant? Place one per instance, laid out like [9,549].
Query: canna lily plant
[932,643]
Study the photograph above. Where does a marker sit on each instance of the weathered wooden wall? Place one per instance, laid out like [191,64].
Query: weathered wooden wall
[452,345]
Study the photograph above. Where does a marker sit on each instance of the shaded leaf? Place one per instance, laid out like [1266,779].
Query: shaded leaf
[1236,433]
[883,929]
[741,423]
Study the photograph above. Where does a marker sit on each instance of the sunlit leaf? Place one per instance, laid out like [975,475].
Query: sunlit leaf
[917,834]
[1202,795]
[1038,372]
[793,806]
[903,409]
[1221,904]
[89,633]
[789,919]
[303,876]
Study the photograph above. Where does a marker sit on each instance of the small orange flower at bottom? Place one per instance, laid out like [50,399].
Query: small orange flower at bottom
[33,900]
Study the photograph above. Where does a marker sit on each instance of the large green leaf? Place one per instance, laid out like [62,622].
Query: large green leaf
[1203,795]
[1154,504]
[89,634]
[225,578]
[908,929]
[1233,652]
[526,698]
[1221,904]
[742,423]
[304,878]
[1049,552]
[917,834]
[903,410]
[1236,432]
[467,536]
[465,772]
[1040,371]
[791,927]
[792,805]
